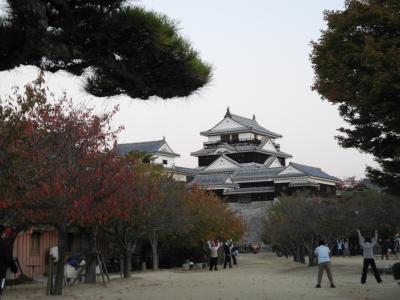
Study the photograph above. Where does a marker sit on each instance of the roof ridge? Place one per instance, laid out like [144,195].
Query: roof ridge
[247,119]
[141,142]
[293,163]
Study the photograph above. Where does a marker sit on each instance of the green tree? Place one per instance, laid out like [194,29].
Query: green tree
[296,223]
[120,48]
[357,67]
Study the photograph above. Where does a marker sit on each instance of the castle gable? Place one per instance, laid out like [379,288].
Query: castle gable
[222,162]
[227,124]
[290,170]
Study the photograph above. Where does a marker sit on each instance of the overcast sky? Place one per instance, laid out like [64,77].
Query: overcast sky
[260,53]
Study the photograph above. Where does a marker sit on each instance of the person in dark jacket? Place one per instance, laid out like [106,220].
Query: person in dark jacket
[6,258]
[228,254]
[385,248]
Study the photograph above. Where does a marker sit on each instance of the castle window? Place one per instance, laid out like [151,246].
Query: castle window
[235,137]
[225,138]
[165,162]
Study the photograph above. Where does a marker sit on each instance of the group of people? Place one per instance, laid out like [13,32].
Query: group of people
[388,245]
[342,247]
[6,257]
[230,254]
[366,243]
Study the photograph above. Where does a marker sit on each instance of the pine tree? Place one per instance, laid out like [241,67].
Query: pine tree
[121,49]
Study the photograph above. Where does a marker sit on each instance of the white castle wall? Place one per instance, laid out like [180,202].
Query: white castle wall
[254,214]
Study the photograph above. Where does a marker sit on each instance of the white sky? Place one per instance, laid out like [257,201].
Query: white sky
[260,53]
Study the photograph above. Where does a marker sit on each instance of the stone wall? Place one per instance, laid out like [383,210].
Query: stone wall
[254,214]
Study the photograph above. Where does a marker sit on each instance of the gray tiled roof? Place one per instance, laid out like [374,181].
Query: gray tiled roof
[250,124]
[212,180]
[266,173]
[250,172]
[313,171]
[253,124]
[239,149]
[258,173]
[249,190]
[188,171]
[148,147]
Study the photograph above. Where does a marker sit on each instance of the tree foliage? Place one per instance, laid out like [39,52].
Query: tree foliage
[298,222]
[121,49]
[156,208]
[357,67]
[60,165]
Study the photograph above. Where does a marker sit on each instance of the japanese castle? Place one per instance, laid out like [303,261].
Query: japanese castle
[241,161]
[243,164]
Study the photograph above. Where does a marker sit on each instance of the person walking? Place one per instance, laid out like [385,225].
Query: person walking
[235,254]
[392,248]
[228,254]
[346,246]
[6,258]
[367,244]
[324,263]
[385,249]
[214,247]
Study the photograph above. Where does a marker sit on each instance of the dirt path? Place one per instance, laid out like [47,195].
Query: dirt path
[261,276]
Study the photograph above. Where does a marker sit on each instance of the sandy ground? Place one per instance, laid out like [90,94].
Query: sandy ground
[261,276]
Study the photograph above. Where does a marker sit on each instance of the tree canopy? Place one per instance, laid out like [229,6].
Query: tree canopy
[357,67]
[297,222]
[120,49]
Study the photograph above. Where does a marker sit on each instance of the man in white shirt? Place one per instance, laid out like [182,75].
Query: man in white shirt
[214,247]
[324,263]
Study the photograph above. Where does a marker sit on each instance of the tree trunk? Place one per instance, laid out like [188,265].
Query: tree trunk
[127,263]
[62,242]
[91,258]
[154,246]
[298,255]
[311,254]
[295,254]
[301,254]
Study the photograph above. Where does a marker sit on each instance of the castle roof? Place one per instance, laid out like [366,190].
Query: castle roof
[183,170]
[312,171]
[152,147]
[214,181]
[238,149]
[241,124]
[295,174]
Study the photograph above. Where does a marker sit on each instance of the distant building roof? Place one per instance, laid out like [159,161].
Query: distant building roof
[214,180]
[248,124]
[256,173]
[148,147]
[313,171]
[182,170]
[252,123]
[250,190]
[240,149]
